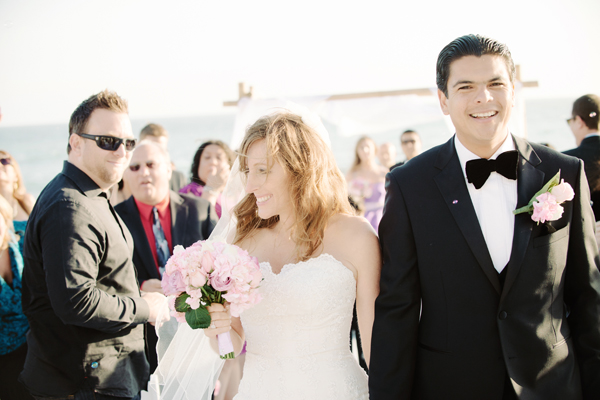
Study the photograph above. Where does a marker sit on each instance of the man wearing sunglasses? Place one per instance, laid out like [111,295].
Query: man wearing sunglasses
[584,125]
[159,219]
[80,292]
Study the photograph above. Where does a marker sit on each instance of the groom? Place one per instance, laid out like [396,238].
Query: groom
[475,302]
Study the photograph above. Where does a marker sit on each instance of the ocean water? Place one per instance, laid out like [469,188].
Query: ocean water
[41,149]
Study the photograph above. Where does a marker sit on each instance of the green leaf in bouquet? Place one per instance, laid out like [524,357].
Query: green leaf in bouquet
[180,304]
[198,318]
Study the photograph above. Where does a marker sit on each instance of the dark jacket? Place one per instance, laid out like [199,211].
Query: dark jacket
[177,180]
[589,152]
[80,294]
[192,219]
[445,327]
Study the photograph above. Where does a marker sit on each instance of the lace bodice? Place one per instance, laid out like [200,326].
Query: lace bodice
[298,335]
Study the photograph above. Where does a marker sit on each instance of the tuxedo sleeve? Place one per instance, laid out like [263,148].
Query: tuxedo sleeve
[582,289]
[395,330]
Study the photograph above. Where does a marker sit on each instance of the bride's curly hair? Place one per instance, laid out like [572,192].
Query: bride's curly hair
[318,189]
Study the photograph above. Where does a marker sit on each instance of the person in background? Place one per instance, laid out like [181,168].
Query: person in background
[387,155]
[584,125]
[119,192]
[14,326]
[366,180]
[156,133]
[411,145]
[80,292]
[13,189]
[159,219]
[209,171]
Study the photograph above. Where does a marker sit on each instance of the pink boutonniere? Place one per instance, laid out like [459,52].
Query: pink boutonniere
[545,205]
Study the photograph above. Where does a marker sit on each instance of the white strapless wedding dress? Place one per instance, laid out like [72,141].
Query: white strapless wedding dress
[298,335]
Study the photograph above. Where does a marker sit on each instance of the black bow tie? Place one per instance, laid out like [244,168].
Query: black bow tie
[478,171]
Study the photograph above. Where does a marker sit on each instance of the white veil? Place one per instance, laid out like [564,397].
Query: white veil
[188,366]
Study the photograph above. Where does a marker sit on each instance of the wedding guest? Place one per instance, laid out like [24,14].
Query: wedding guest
[156,133]
[209,172]
[80,292]
[411,145]
[159,219]
[119,192]
[478,302]
[549,145]
[12,187]
[366,180]
[387,155]
[584,125]
[14,326]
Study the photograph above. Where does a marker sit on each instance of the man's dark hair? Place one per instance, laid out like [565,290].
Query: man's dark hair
[588,109]
[106,99]
[196,163]
[408,131]
[470,45]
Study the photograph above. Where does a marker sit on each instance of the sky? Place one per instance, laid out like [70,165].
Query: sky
[182,58]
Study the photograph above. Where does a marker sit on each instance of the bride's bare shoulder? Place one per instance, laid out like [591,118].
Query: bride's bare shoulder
[349,229]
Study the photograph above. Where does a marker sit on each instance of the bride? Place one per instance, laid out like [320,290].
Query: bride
[316,259]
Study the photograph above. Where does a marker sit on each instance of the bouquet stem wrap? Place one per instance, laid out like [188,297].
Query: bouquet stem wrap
[225,346]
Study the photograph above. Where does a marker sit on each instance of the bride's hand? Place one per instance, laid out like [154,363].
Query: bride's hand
[220,320]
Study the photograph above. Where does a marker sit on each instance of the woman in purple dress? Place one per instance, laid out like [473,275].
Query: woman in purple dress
[366,181]
[210,170]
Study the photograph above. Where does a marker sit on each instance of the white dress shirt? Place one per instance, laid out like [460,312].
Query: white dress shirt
[494,203]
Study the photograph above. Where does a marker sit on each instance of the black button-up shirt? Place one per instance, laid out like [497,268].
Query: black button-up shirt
[80,294]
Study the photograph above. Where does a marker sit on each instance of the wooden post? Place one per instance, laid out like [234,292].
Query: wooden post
[243,91]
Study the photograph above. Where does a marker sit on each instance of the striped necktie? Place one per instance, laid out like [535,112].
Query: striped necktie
[162,246]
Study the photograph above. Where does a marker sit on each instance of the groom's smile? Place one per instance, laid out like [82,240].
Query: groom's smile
[479,102]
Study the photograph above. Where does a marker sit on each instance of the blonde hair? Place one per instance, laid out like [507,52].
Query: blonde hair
[19,190]
[318,189]
[6,212]
[356,162]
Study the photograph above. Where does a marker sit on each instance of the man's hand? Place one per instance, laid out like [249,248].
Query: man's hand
[158,306]
[152,285]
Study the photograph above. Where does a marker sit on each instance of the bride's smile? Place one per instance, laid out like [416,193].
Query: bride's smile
[269,182]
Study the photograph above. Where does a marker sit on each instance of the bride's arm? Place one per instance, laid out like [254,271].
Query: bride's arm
[368,265]
[224,322]
[361,250]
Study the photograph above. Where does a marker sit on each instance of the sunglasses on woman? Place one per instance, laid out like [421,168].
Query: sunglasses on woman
[110,143]
[5,161]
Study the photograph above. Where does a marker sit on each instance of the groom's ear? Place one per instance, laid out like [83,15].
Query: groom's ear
[443,102]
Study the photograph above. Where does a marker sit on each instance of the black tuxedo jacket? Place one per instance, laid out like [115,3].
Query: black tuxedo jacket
[192,219]
[445,327]
[589,152]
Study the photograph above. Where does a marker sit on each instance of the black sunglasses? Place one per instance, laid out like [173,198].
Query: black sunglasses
[110,143]
[5,161]
[136,167]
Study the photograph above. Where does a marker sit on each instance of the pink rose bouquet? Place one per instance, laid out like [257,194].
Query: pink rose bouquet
[545,204]
[210,272]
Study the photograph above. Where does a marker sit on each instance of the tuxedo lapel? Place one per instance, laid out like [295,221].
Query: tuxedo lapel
[140,240]
[451,183]
[179,218]
[529,181]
